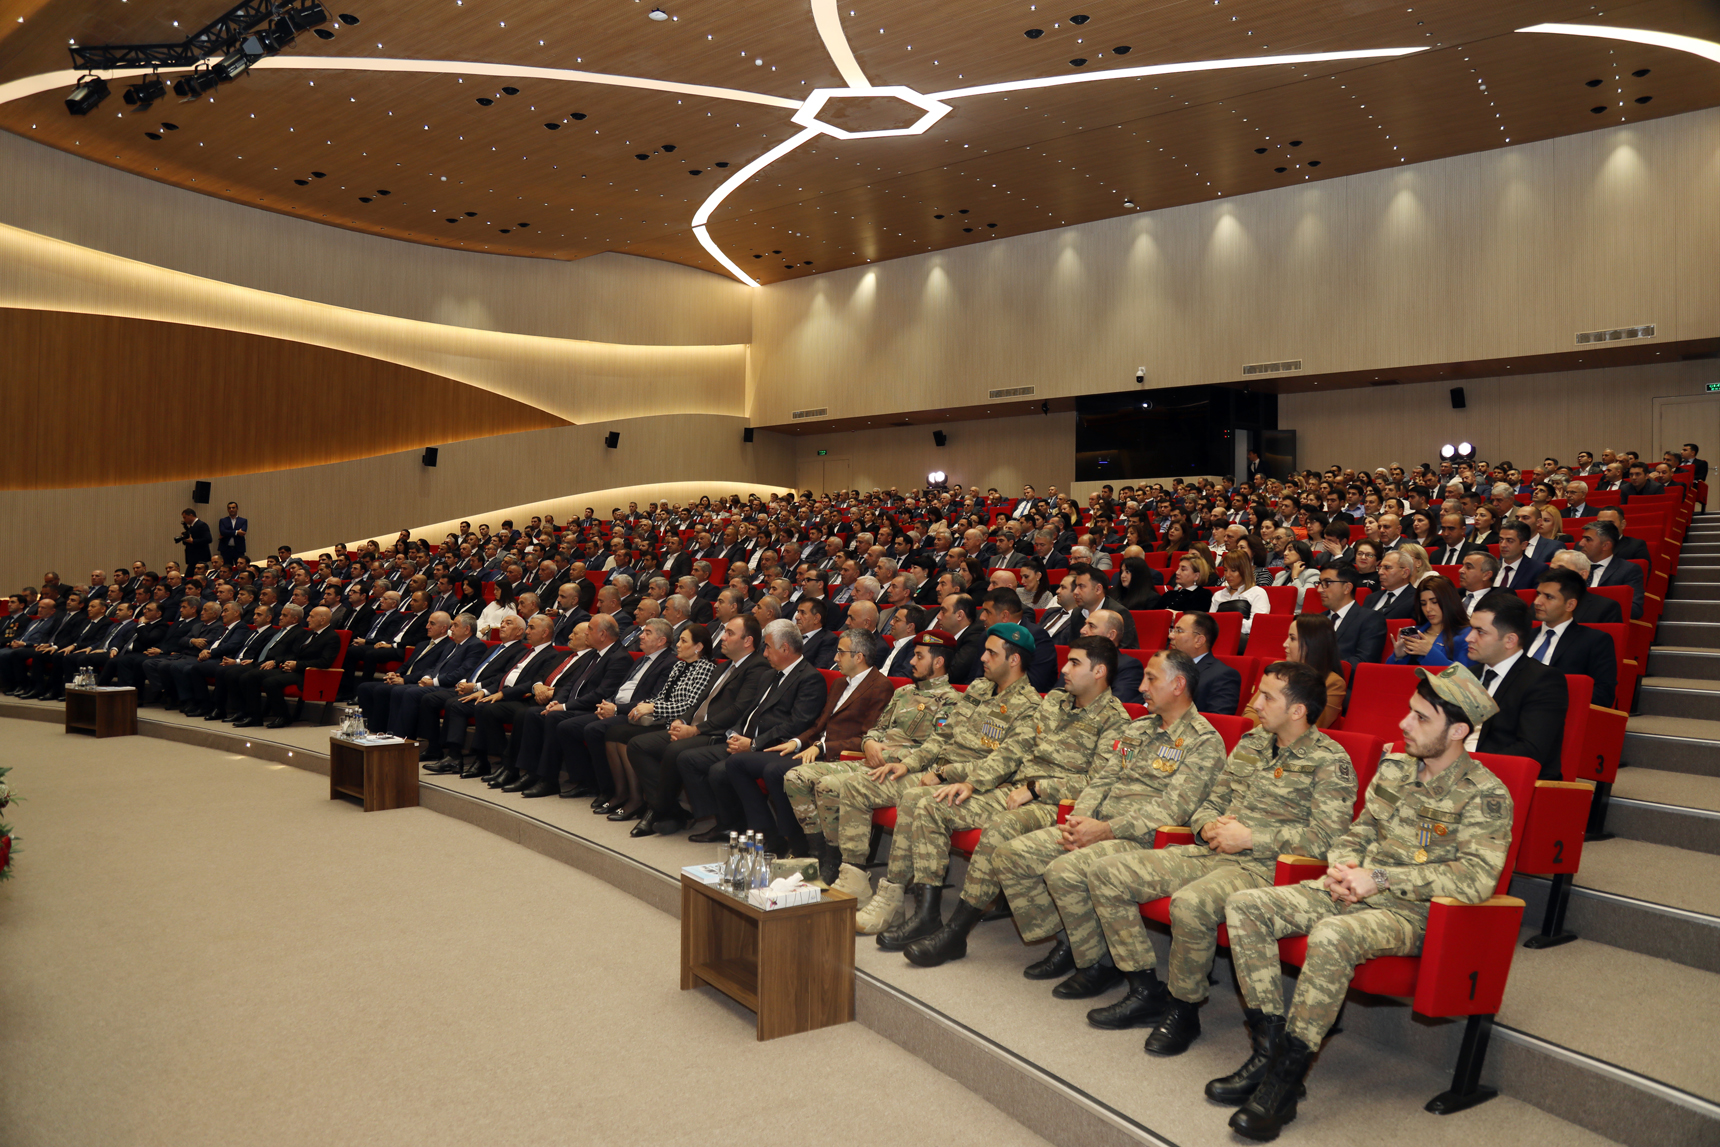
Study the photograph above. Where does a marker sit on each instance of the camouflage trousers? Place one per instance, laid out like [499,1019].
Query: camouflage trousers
[1025,869]
[1198,883]
[1340,936]
[800,785]
[920,848]
[845,803]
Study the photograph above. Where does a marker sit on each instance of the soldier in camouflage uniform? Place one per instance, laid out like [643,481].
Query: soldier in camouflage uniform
[1071,727]
[994,712]
[1288,788]
[911,715]
[1436,823]
[1156,772]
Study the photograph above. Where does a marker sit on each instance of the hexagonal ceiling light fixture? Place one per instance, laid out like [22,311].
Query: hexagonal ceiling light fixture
[808,115]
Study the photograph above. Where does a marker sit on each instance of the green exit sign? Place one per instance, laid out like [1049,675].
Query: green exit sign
[822,453]
[1713,386]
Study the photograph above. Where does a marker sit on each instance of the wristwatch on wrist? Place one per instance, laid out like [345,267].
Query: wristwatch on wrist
[1033,788]
[1381,879]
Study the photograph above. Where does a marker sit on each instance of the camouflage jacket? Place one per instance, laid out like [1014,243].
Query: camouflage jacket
[1446,836]
[983,721]
[1056,757]
[912,714]
[1152,775]
[1296,799]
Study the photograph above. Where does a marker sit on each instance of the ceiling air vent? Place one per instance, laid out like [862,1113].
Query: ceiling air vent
[1272,367]
[1014,392]
[819,413]
[1618,334]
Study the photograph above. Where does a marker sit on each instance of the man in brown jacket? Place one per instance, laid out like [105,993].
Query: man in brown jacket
[856,698]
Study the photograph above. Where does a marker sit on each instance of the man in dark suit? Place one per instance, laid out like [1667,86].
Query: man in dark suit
[587,762]
[1627,547]
[223,684]
[1360,632]
[1592,608]
[465,658]
[430,713]
[1600,540]
[1698,466]
[1126,684]
[1564,643]
[100,652]
[1092,592]
[194,536]
[427,655]
[1517,570]
[524,669]
[959,617]
[1531,696]
[905,623]
[1454,548]
[316,648]
[790,702]
[852,705]
[1219,688]
[818,645]
[190,677]
[1395,599]
[1637,483]
[656,755]
[233,529]
[586,683]
[1063,621]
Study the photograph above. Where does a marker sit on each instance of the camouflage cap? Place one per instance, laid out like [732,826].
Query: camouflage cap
[1458,686]
[934,637]
[1014,634]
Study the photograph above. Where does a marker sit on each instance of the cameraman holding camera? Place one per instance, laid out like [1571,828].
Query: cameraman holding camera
[195,538]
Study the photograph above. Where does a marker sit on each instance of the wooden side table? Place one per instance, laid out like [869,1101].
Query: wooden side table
[794,967]
[109,712]
[382,776]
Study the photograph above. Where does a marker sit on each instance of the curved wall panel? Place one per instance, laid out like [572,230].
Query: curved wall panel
[608,298]
[111,400]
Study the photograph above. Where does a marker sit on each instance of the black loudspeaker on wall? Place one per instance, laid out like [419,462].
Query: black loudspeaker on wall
[939,437]
[429,458]
[746,434]
[1457,402]
[612,439]
[200,494]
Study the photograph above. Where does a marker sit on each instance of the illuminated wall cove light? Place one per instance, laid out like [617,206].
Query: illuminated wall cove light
[828,21]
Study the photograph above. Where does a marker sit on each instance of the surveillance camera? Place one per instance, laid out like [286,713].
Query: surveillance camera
[1140,376]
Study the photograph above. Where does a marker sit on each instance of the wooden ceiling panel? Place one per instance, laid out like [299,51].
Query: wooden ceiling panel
[999,164]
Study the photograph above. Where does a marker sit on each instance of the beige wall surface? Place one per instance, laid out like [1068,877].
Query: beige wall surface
[1521,419]
[1003,452]
[609,298]
[74,531]
[1498,253]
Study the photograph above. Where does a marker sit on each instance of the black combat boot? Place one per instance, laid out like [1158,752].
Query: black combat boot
[1146,1003]
[1060,961]
[1179,1028]
[1088,982]
[829,860]
[926,918]
[1267,1033]
[947,943]
[1273,1103]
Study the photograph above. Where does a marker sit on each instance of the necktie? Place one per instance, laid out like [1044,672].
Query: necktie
[747,729]
[624,694]
[1386,600]
[1506,573]
[1469,602]
[1595,576]
[1488,676]
[557,671]
[380,618]
[1540,653]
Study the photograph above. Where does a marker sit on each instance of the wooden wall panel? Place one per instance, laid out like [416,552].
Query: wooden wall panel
[1521,419]
[113,401]
[1506,252]
[1001,452]
[74,530]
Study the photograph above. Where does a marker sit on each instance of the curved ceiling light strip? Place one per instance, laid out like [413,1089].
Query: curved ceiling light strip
[703,214]
[829,23]
[1707,49]
[1171,69]
[47,81]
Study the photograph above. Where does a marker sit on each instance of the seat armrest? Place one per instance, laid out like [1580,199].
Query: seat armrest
[1169,834]
[1293,869]
[1466,955]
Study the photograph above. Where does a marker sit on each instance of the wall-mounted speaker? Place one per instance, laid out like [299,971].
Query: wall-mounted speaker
[429,458]
[940,438]
[200,494]
[612,439]
[1457,400]
[746,434]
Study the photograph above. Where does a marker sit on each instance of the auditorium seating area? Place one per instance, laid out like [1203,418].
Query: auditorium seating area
[1470,952]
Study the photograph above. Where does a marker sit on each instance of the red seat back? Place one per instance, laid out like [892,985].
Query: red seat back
[1379,699]
[831,677]
[1229,632]
[1282,597]
[1249,669]
[1152,628]
[1266,636]
[1365,750]
[1230,728]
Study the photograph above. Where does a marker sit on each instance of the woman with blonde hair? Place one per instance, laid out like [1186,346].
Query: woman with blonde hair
[1239,590]
[1189,593]
[1421,569]
[1550,535]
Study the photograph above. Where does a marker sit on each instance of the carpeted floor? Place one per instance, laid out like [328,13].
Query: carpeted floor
[203,949]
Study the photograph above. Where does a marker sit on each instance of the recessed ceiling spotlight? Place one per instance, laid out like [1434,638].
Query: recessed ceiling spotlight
[381,191]
[1121,50]
[1034,33]
[576,115]
[471,214]
[1643,99]
[553,126]
[1260,151]
[1599,110]
[1641,72]
[657,14]
[348,19]
[1079,19]
[323,33]
[695,171]
[485,101]
[668,147]
[1129,203]
[641,155]
[1077,62]
[1313,163]
[364,199]
[510,91]
[302,182]
[722,163]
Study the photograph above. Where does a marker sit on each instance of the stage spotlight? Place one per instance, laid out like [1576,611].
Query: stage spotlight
[234,66]
[89,93]
[1466,449]
[306,17]
[936,478]
[194,83]
[143,94]
[1448,451]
